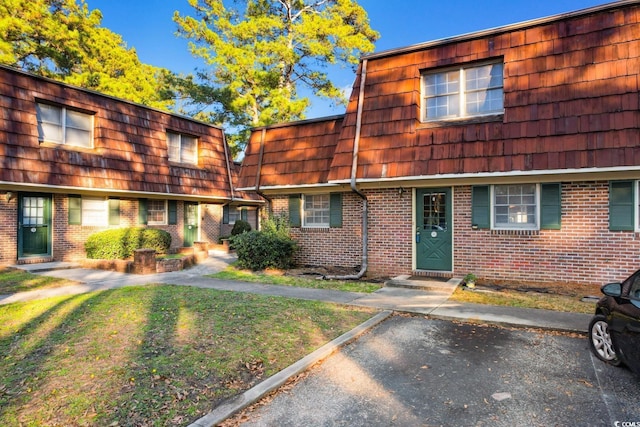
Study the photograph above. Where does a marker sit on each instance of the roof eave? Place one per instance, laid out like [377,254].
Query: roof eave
[498,30]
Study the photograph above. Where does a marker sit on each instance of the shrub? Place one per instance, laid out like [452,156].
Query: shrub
[257,250]
[277,225]
[120,243]
[240,227]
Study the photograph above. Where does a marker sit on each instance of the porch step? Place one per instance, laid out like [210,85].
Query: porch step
[46,266]
[424,283]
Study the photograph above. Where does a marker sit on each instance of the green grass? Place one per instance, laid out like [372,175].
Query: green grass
[232,273]
[12,281]
[513,298]
[152,355]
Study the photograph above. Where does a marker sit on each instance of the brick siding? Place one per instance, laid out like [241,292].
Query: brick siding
[8,227]
[583,251]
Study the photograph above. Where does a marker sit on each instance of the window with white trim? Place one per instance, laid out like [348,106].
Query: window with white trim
[62,125]
[182,148]
[316,210]
[156,212]
[515,206]
[463,92]
[94,211]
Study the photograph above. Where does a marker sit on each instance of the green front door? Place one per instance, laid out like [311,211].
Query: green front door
[34,225]
[434,229]
[190,223]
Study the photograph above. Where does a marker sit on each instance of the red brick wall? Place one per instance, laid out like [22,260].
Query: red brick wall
[68,240]
[8,227]
[332,247]
[582,251]
[210,222]
[390,232]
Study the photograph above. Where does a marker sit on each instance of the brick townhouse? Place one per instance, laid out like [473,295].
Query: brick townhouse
[512,153]
[73,162]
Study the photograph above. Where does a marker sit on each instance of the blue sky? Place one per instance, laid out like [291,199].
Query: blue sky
[147,26]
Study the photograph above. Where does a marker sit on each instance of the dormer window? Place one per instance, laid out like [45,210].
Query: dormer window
[182,148]
[463,92]
[62,125]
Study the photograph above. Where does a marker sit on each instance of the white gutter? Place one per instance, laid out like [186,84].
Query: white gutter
[7,185]
[496,175]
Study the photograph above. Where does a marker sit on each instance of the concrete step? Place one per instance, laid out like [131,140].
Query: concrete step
[423,283]
[46,266]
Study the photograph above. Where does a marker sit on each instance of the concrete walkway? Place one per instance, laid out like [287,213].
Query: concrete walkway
[428,297]
[402,294]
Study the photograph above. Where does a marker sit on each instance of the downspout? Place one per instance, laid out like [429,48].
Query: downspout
[354,169]
[259,172]
[226,156]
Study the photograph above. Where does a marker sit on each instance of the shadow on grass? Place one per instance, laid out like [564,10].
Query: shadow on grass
[29,353]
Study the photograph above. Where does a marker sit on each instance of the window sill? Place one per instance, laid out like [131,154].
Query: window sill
[460,121]
[515,232]
[67,147]
[315,229]
[184,165]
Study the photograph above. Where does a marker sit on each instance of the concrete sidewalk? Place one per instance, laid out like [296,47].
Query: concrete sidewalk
[403,295]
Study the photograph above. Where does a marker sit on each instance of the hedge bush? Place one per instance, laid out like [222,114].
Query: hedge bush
[257,250]
[240,227]
[120,243]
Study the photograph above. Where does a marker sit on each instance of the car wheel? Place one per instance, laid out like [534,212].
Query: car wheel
[600,340]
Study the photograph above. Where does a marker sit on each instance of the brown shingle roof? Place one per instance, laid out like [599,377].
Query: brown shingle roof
[130,147]
[571,97]
[290,154]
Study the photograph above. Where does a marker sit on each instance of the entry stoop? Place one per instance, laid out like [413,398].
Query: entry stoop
[46,266]
[424,283]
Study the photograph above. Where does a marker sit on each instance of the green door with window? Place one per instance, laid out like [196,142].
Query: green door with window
[434,229]
[190,223]
[34,225]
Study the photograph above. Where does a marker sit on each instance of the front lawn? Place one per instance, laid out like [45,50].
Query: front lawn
[152,355]
[12,281]
[278,277]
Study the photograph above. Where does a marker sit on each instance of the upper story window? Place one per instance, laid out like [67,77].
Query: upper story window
[61,125]
[463,92]
[182,148]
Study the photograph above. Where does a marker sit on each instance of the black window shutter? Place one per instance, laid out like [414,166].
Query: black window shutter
[75,210]
[225,214]
[550,206]
[621,205]
[335,210]
[172,206]
[142,211]
[480,206]
[295,219]
[114,211]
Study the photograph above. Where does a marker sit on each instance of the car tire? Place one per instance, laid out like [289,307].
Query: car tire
[600,340]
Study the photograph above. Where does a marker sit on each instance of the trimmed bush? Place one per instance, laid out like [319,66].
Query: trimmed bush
[240,227]
[120,243]
[257,250]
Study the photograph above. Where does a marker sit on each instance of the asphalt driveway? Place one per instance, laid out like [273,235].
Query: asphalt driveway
[412,371]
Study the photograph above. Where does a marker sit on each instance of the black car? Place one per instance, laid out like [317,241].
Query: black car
[614,331]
